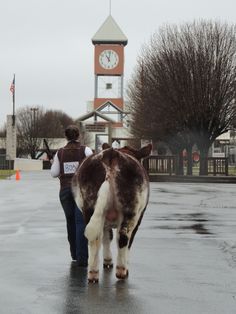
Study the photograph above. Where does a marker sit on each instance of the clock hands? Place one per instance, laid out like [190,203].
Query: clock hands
[109,57]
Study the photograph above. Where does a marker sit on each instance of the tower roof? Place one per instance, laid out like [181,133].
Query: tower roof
[109,33]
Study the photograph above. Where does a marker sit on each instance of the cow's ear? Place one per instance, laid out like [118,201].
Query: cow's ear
[145,151]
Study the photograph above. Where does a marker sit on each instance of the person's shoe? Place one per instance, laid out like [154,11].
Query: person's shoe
[73,257]
[73,254]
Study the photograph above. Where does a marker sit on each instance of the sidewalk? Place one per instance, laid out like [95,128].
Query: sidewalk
[183,259]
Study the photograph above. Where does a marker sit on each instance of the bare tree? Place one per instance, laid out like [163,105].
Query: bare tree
[28,141]
[183,90]
[34,124]
[53,124]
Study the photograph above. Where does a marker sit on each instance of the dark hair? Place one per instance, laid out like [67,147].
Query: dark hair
[105,146]
[72,133]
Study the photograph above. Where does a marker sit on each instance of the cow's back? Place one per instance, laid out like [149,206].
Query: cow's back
[126,177]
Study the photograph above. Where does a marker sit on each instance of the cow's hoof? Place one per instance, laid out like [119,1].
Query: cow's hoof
[107,263]
[107,266]
[121,272]
[95,280]
[93,276]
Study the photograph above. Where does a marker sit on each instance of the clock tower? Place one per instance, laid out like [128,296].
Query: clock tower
[109,42]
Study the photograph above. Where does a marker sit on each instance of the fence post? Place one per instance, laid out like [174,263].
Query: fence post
[214,166]
[226,166]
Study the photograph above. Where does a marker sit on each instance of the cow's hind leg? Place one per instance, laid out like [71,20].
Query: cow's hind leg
[122,263]
[107,255]
[123,252]
[123,237]
[93,261]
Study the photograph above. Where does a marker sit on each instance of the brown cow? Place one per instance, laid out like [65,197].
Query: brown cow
[112,189]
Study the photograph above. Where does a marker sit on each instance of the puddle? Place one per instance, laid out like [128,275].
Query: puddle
[196,222]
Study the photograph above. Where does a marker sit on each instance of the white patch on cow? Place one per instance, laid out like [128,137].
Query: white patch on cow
[95,226]
[94,247]
[77,196]
[123,257]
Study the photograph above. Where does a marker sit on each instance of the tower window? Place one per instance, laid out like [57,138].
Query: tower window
[108,85]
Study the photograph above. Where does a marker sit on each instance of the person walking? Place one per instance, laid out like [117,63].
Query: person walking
[65,162]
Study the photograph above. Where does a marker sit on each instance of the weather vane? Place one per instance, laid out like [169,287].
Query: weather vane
[110,7]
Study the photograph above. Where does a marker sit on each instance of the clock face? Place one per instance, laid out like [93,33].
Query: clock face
[108,59]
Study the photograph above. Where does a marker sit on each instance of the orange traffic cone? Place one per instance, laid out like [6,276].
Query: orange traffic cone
[17,175]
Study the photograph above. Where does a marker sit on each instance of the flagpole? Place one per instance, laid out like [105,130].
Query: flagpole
[13,100]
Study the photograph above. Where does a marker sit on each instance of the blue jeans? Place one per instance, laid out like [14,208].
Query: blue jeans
[75,226]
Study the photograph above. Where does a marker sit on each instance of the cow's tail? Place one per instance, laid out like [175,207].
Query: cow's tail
[95,226]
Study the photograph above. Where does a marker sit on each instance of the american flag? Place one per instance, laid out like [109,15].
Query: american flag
[12,88]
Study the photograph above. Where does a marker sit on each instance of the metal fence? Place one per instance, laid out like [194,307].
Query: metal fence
[167,165]
[160,164]
[218,166]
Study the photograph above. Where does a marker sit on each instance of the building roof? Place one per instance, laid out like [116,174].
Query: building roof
[224,137]
[109,32]
[94,113]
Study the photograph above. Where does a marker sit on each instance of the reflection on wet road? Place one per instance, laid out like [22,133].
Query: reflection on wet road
[194,221]
[110,295]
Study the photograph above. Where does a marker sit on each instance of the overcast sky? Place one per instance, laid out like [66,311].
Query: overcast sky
[47,44]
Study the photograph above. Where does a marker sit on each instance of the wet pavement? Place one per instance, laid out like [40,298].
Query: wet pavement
[183,258]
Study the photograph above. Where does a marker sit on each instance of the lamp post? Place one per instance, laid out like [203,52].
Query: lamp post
[34,110]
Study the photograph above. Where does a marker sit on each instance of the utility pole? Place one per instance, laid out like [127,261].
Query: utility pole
[34,135]
[34,110]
